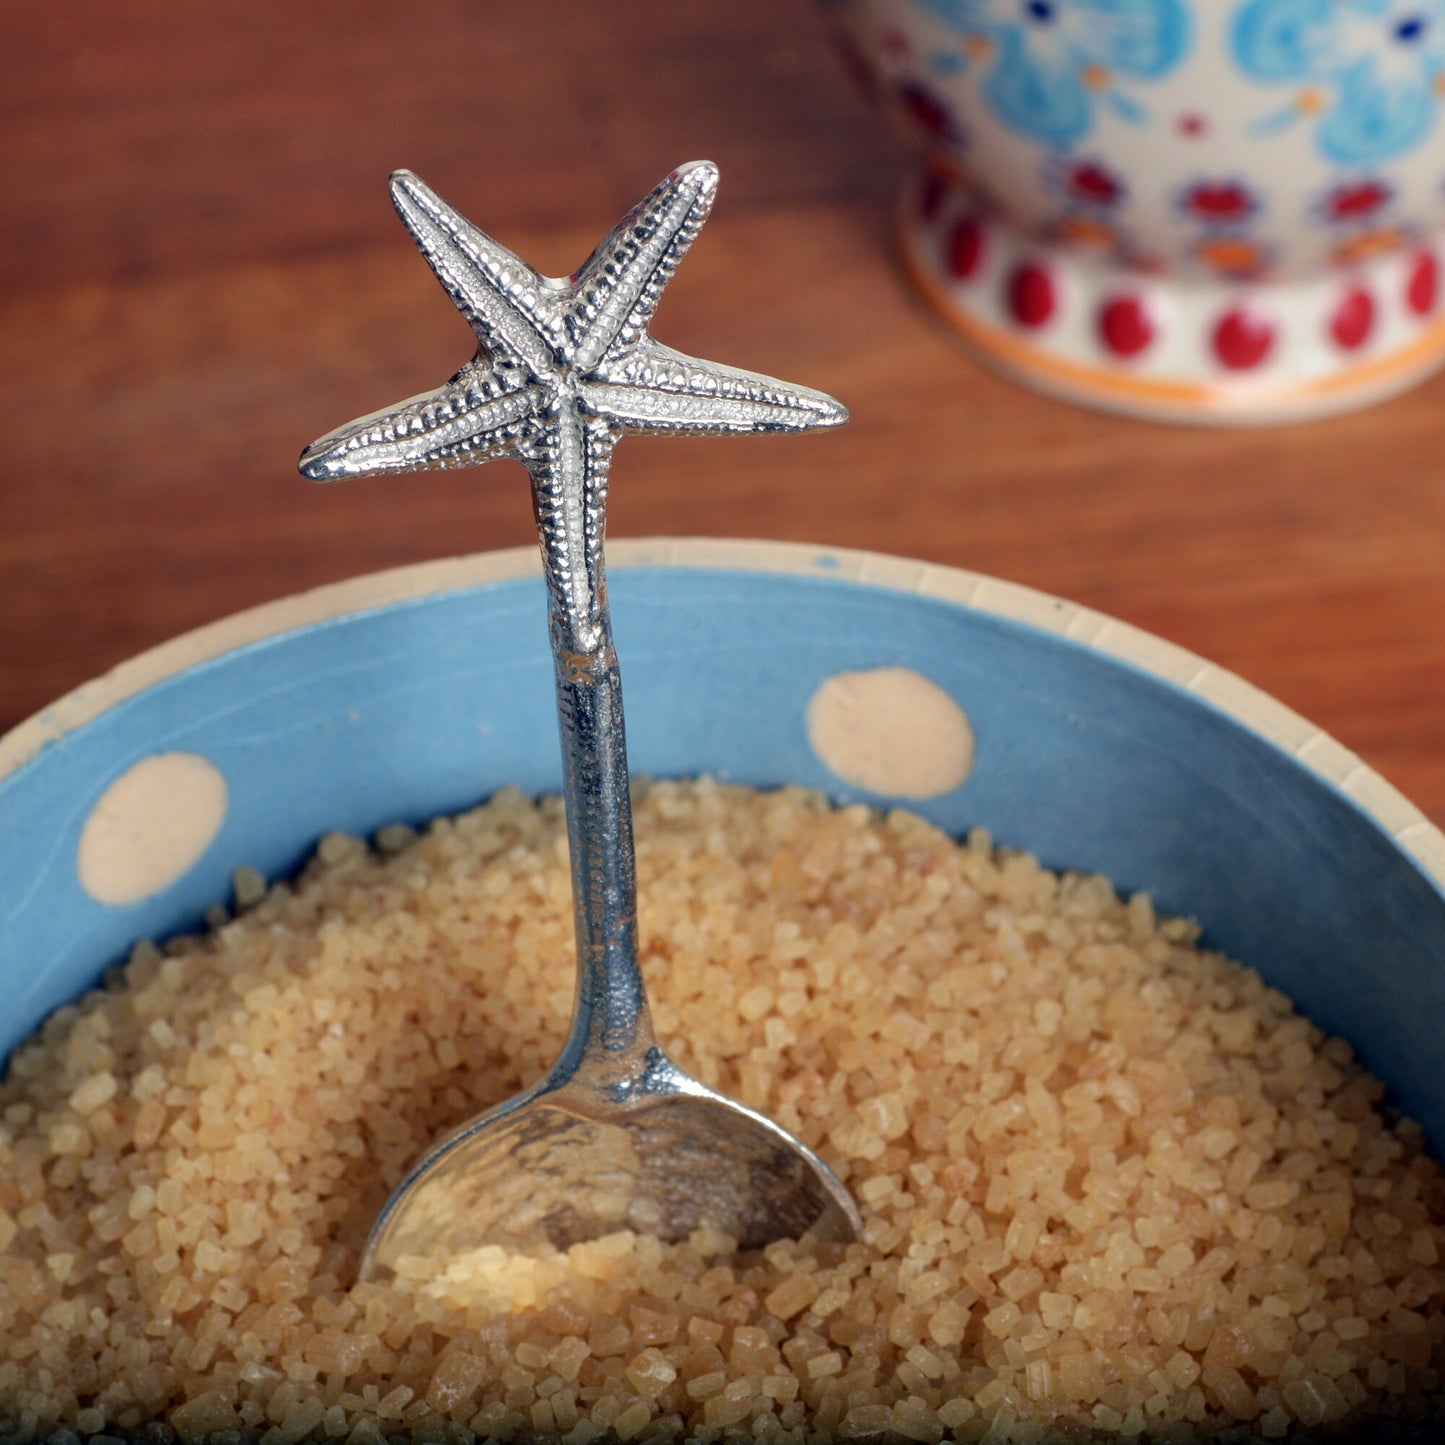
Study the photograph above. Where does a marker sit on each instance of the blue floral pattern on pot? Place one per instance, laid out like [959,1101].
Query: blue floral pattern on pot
[1380,61]
[1051,62]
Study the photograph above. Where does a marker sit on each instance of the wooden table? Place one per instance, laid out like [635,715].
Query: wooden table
[200,271]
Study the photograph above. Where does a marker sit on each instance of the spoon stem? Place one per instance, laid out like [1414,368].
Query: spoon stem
[611,1036]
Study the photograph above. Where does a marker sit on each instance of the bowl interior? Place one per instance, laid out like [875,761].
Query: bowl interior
[426,704]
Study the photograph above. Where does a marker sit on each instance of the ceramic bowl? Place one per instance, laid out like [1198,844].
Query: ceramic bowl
[126,807]
[1223,210]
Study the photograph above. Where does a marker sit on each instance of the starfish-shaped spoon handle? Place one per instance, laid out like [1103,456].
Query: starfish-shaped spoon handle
[565,369]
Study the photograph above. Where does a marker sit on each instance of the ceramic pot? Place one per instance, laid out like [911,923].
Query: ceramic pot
[1200,210]
[126,807]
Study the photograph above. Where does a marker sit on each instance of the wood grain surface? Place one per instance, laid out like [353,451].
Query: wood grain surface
[200,271]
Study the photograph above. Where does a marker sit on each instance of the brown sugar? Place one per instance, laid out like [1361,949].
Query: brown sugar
[1114,1187]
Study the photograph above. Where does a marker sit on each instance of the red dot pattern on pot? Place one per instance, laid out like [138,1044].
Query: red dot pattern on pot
[1125,326]
[1129,325]
[1033,295]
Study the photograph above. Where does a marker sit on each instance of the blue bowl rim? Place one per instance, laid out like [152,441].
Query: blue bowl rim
[1309,746]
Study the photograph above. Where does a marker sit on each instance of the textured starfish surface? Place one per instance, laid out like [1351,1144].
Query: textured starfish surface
[564,367]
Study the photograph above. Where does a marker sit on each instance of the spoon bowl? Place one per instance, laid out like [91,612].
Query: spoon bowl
[569,1161]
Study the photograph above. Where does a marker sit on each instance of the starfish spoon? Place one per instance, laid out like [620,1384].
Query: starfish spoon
[617,1135]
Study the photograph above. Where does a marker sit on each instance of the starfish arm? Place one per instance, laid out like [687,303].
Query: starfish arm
[657,391]
[478,415]
[504,300]
[618,289]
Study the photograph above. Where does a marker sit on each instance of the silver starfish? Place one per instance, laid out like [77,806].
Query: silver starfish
[564,370]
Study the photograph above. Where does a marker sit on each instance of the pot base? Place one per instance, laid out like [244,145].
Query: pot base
[1076,325]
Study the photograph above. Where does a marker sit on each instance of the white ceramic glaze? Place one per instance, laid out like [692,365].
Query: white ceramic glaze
[1223,210]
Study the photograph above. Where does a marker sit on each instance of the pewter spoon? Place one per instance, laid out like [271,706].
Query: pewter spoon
[617,1136]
